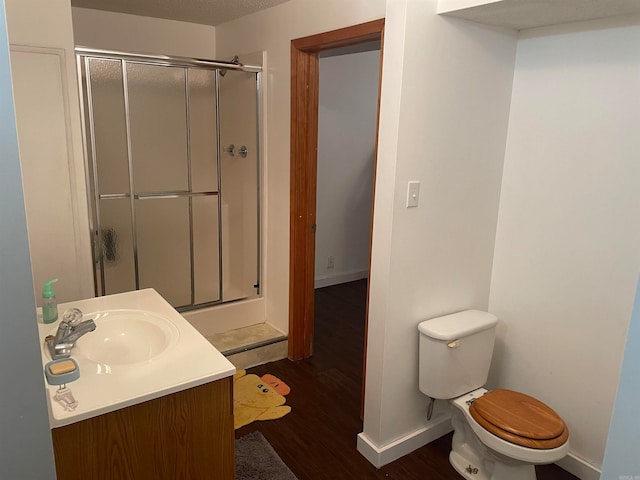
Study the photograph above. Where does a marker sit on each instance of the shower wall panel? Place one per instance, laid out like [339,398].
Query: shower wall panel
[203,125]
[110,145]
[206,244]
[163,236]
[158,129]
[116,238]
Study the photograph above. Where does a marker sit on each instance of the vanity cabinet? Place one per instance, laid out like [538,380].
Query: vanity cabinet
[184,435]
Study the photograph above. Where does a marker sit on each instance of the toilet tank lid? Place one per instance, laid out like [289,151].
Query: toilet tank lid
[457,325]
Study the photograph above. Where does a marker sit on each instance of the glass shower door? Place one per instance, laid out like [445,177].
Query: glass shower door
[160,173]
[175,181]
[155,171]
[239,188]
[108,164]
[173,156]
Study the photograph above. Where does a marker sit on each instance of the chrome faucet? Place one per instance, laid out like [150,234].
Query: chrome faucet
[69,331]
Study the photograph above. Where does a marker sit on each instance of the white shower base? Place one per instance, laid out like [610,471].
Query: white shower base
[239,331]
[252,345]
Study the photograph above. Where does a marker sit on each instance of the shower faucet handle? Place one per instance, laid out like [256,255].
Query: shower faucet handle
[231,150]
[243,150]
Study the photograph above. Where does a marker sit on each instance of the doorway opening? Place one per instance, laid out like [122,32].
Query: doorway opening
[304,147]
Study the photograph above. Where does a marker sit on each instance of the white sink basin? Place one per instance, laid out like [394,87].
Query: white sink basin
[125,337]
[141,349]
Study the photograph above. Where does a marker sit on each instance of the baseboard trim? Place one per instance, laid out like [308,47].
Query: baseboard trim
[340,278]
[579,467]
[380,456]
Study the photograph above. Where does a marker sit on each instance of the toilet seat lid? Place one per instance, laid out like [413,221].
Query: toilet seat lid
[519,419]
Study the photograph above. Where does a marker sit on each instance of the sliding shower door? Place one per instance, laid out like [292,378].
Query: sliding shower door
[160,217]
[239,188]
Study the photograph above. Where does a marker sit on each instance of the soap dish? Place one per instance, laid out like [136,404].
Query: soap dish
[61,371]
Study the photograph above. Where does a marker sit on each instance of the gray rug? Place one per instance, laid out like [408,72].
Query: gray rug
[257,460]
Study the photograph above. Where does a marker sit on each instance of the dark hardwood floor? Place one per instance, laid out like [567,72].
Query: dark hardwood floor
[317,440]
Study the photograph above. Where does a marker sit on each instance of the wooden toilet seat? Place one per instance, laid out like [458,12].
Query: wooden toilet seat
[519,419]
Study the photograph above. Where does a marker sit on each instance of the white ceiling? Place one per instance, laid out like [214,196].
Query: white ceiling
[208,12]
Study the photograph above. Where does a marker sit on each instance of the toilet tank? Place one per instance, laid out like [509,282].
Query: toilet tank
[455,353]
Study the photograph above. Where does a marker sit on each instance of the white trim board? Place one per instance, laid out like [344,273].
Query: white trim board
[380,456]
[579,467]
[328,280]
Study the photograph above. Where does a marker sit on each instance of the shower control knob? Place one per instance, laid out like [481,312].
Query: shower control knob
[231,150]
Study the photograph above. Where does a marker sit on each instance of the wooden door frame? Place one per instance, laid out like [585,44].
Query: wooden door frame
[304,149]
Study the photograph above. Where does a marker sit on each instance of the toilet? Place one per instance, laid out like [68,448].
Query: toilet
[499,434]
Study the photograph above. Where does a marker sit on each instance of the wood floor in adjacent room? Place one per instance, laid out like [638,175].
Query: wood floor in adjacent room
[317,440]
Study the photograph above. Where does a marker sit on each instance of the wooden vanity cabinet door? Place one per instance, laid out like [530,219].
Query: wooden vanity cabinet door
[187,435]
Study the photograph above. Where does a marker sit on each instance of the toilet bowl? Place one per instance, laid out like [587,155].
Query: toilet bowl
[505,448]
[498,435]
[520,419]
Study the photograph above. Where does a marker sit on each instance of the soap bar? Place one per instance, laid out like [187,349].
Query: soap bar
[62,371]
[59,368]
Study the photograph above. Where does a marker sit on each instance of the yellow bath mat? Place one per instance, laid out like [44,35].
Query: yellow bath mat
[256,398]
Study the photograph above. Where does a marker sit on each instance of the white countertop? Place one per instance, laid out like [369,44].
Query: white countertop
[188,362]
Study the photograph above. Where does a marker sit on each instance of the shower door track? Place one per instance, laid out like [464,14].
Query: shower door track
[166,60]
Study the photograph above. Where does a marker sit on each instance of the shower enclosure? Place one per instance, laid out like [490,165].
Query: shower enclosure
[172,149]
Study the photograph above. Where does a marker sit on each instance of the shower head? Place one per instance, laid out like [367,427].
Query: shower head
[235,61]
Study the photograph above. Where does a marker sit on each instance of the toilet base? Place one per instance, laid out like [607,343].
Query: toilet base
[490,470]
[468,468]
[474,461]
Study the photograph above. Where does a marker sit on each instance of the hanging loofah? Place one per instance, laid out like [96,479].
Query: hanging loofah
[109,244]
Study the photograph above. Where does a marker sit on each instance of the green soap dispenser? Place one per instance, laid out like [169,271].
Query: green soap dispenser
[49,303]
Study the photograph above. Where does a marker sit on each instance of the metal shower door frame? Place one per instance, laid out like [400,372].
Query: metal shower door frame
[83,57]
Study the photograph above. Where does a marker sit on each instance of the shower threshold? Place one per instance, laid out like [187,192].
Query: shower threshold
[252,345]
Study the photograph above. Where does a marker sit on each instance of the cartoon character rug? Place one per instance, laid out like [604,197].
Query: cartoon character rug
[258,398]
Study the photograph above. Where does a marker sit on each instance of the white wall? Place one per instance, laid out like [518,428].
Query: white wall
[272,30]
[347,120]
[49,132]
[445,101]
[446,90]
[567,257]
[133,33]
